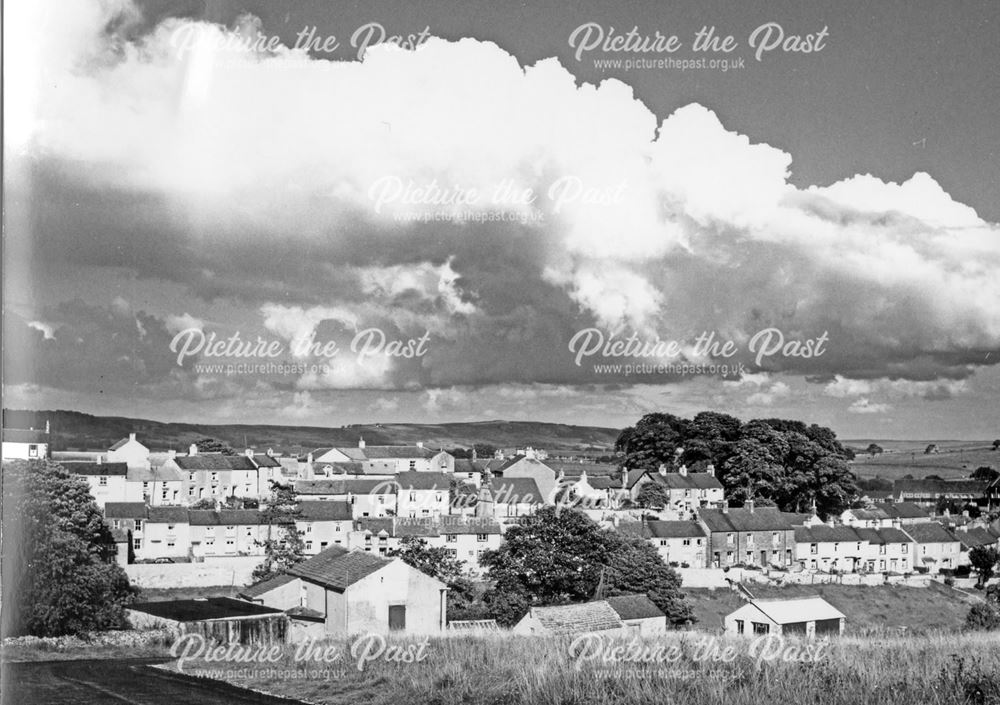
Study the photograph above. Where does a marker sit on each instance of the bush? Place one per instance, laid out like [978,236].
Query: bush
[982,617]
[949,581]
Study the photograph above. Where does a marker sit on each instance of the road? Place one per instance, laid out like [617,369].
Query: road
[116,682]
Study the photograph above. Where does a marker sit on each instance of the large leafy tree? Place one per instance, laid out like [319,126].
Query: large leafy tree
[59,566]
[464,596]
[983,560]
[214,445]
[651,495]
[562,556]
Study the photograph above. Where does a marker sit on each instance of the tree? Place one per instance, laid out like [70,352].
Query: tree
[996,444]
[59,567]
[984,560]
[985,615]
[204,503]
[435,561]
[931,448]
[282,548]
[874,449]
[652,495]
[214,445]
[985,473]
[561,556]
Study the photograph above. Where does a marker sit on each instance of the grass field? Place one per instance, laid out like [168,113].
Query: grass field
[931,670]
[954,460]
[935,608]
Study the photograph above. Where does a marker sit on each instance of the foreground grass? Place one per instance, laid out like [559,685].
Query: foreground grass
[930,670]
[100,645]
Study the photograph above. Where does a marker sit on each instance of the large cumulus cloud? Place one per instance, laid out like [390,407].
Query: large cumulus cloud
[250,176]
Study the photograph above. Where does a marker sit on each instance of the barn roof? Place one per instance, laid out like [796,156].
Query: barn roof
[337,568]
[205,608]
[577,619]
[800,609]
[635,607]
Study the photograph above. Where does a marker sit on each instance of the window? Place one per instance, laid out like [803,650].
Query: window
[813,548]
[881,549]
[103,481]
[437,497]
[699,542]
[164,493]
[413,465]
[145,486]
[859,545]
[210,530]
[836,547]
[482,538]
[136,544]
[453,552]
[170,544]
[190,477]
[309,545]
[906,548]
[749,539]
[229,542]
[413,496]
[730,539]
[739,626]
[761,628]
[138,525]
[190,491]
[32,451]
[686,542]
[451,538]
[381,499]
[170,527]
[775,538]
[309,528]
[663,542]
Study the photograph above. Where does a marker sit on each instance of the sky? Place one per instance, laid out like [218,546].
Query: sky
[258,212]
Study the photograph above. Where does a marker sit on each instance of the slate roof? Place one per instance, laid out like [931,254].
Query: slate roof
[577,619]
[225,517]
[214,461]
[675,529]
[939,487]
[168,515]
[414,480]
[821,533]
[516,490]
[691,481]
[904,510]
[759,519]
[203,609]
[121,444]
[324,511]
[24,435]
[352,486]
[265,586]
[931,532]
[125,510]
[882,536]
[157,474]
[387,452]
[339,467]
[96,469]
[466,465]
[266,461]
[575,469]
[635,607]
[976,537]
[796,518]
[337,568]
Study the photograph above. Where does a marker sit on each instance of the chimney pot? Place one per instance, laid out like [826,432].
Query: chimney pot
[193,450]
[710,469]
[725,506]
[131,436]
[361,442]
[749,505]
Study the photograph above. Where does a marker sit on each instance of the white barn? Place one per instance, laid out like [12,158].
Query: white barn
[804,616]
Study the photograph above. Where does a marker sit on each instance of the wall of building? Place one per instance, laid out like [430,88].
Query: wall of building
[220,572]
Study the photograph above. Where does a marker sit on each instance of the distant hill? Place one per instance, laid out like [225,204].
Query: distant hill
[73,430]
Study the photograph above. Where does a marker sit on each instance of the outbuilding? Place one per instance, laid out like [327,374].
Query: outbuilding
[804,616]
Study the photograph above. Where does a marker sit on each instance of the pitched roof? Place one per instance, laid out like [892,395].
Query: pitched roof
[882,536]
[937,487]
[675,529]
[265,586]
[203,608]
[516,490]
[125,510]
[931,532]
[154,474]
[744,519]
[575,469]
[168,515]
[799,609]
[576,619]
[797,518]
[821,533]
[635,607]
[324,511]
[214,461]
[388,452]
[120,444]
[414,480]
[337,568]
[95,469]
[976,537]
[904,510]
[345,486]
[24,435]
[225,517]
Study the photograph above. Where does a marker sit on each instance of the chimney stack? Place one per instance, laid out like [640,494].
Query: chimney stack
[131,436]
[193,450]
[420,444]
[663,468]
[749,505]
[361,442]
[171,454]
[710,469]
[474,458]
[100,460]
[249,453]
[683,470]
[725,506]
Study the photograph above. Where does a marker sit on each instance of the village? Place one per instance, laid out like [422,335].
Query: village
[199,519]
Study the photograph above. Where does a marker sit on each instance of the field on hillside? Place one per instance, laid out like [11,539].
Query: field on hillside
[936,608]
[495,670]
[953,460]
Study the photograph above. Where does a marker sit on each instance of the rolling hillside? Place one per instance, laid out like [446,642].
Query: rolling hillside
[72,430]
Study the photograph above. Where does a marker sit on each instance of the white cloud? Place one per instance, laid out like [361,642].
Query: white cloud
[864,406]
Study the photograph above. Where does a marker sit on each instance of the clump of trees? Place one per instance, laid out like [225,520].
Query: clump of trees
[786,462]
[59,557]
[985,616]
[464,595]
[559,556]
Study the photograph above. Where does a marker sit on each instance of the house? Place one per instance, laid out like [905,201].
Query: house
[685,491]
[973,537]
[216,476]
[514,497]
[679,543]
[527,467]
[639,614]
[886,515]
[385,461]
[422,494]
[466,538]
[129,517]
[356,592]
[368,497]
[222,619]
[751,535]
[570,620]
[886,550]
[323,524]
[936,547]
[129,451]
[804,616]
[928,492]
[830,548]
[26,444]
[156,485]
[166,533]
[107,481]
[228,532]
